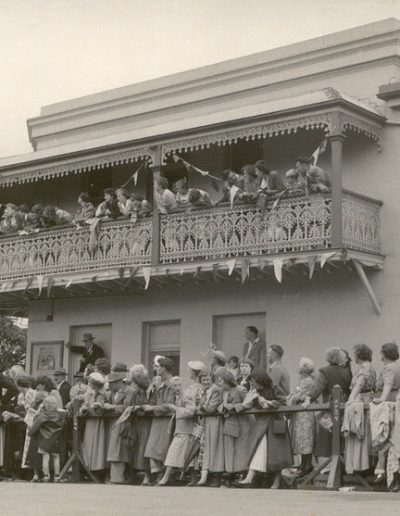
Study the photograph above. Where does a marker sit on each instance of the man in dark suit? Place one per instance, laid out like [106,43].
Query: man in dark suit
[63,387]
[255,348]
[90,351]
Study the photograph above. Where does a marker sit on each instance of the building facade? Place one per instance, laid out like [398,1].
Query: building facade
[310,273]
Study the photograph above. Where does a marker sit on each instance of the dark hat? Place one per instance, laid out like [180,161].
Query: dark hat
[79,375]
[226,376]
[87,337]
[116,377]
[120,368]
[277,349]
[167,363]
[60,372]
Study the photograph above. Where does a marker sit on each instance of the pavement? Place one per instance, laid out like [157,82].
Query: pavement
[27,499]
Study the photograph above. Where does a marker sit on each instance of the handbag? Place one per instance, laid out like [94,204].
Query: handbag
[231,427]
[279,426]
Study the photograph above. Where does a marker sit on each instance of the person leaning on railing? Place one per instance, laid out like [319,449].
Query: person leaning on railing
[317,180]
[335,373]
[270,183]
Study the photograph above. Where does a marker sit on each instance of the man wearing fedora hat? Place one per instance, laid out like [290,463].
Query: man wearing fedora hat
[63,387]
[90,351]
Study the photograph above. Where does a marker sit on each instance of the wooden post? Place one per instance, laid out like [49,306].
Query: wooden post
[335,473]
[336,143]
[155,243]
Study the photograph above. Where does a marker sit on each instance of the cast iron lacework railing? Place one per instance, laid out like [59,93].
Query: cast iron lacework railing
[121,243]
[296,224]
[361,222]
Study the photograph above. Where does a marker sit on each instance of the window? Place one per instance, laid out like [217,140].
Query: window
[162,338]
[229,330]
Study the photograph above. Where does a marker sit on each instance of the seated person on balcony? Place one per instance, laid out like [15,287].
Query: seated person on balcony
[53,216]
[33,219]
[198,199]
[251,183]
[316,178]
[271,183]
[294,183]
[165,199]
[86,209]
[140,207]
[183,194]
[124,201]
[10,220]
[230,179]
[109,207]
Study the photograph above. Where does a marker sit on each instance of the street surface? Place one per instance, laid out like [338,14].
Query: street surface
[111,500]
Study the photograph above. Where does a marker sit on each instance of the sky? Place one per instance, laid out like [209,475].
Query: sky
[54,50]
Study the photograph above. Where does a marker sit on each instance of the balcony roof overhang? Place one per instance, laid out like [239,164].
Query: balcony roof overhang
[15,296]
[329,110]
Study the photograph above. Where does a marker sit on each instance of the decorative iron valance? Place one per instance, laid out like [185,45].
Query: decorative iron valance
[77,166]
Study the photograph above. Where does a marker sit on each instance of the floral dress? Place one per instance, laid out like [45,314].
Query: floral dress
[303,427]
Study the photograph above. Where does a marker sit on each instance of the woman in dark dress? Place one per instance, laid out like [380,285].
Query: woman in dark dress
[270,449]
[337,372]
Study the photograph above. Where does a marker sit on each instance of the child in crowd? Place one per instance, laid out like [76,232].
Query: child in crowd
[86,210]
[294,183]
[109,207]
[46,430]
[233,366]
[140,207]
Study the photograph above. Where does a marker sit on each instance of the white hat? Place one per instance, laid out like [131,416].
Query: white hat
[197,365]
[157,358]
[98,378]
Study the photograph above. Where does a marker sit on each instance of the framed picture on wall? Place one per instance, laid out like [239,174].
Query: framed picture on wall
[46,357]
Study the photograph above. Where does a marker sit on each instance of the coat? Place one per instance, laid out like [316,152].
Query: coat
[90,355]
[236,449]
[327,378]
[47,428]
[64,389]
[213,454]
[279,451]
[258,353]
[159,438]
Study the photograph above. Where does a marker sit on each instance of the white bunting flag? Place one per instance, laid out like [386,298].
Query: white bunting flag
[245,269]
[312,260]
[231,266]
[325,258]
[69,283]
[278,264]
[146,276]
[40,283]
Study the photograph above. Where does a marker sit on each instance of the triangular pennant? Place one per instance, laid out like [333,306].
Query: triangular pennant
[94,279]
[50,283]
[69,283]
[262,263]
[40,279]
[146,276]
[29,282]
[245,269]
[312,260]
[182,271]
[232,194]
[231,266]
[325,258]
[278,264]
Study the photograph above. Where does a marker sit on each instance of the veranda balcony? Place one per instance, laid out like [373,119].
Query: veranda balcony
[293,225]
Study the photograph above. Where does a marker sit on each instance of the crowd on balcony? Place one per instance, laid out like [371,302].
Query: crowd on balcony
[219,430]
[22,219]
[255,184]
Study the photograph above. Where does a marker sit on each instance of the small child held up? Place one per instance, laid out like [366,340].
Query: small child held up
[46,430]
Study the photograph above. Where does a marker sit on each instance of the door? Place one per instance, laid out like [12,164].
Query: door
[102,334]
[229,331]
